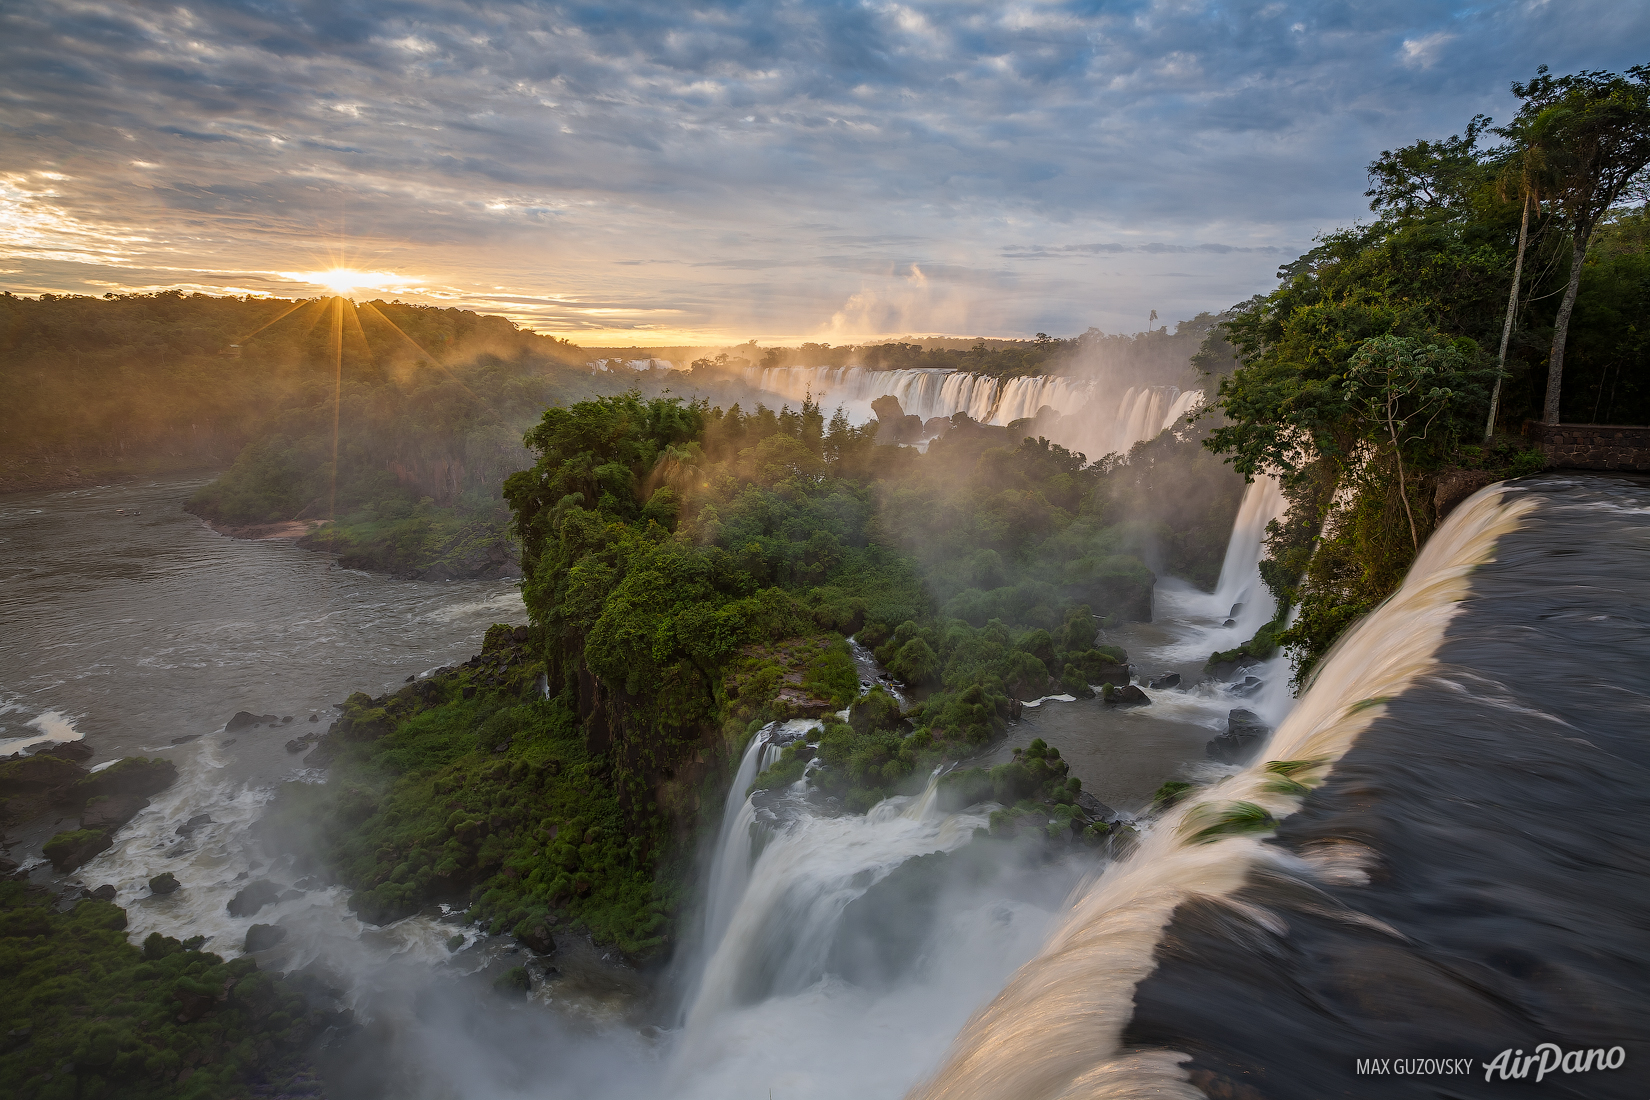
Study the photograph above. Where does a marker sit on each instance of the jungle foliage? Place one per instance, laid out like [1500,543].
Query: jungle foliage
[89,1015]
[1363,381]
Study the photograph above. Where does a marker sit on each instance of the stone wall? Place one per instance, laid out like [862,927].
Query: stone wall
[1592,446]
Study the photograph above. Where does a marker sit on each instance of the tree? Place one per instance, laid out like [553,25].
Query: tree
[1523,174]
[1393,382]
[1596,129]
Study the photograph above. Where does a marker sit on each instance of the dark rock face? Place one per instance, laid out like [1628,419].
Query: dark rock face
[69,850]
[243,720]
[163,884]
[1165,681]
[261,937]
[133,775]
[253,898]
[104,893]
[111,811]
[71,750]
[1245,733]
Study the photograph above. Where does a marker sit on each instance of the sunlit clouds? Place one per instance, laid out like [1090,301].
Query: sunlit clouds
[660,173]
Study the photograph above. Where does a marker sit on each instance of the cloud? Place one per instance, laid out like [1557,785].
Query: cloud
[757,165]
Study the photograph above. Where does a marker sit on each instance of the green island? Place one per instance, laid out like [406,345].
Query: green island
[693,574]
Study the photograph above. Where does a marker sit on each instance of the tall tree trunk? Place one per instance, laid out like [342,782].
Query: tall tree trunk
[1512,312]
[1561,326]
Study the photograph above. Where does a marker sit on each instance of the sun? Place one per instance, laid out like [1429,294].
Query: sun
[342,280]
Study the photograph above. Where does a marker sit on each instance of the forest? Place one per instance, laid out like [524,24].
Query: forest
[1504,279]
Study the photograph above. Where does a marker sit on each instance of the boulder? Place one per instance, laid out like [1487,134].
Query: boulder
[134,775]
[1245,733]
[164,883]
[297,744]
[69,850]
[38,773]
[1127,696]
[194,823]
[1250,685]
[537,938]
[104,893]
[111,811]
[253,898]
[1165,681]
[71,750]
[243,720]
[261,937]
[8,866]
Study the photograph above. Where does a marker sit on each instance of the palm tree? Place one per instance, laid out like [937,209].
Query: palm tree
[1522,175]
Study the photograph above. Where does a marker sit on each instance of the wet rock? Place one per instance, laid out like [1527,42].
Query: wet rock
[409,680]
[1129,695]
[315,718]
[297,744]
[261,937]
[165,883]
[8,866]
[243,720]
[71,750]
[1229,622]
[104,893]
[537,939]
[290,895]
[285,718]
[309,882]
[111,811]
[1165,681]
[1095,808]
[320,756]
[226,742]
[186,739]
[69,850]
[253,898]
[1245,733]
[1250,685]
[194,823]
[38,773]
[134,775]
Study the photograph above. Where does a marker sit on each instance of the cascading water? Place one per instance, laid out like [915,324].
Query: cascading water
[730,866]
[1101,419]
[1055,1031]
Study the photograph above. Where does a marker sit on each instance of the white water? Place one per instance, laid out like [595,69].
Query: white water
[1054,1031]
[731,865]
[1102,419]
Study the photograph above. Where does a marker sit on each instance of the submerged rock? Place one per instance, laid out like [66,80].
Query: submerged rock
[253,898]
[194,823]
[297,744]
[1250,685]
[1166,680]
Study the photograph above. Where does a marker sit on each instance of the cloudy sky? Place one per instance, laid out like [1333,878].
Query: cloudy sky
[659,172]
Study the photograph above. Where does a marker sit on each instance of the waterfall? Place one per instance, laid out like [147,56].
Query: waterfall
[1055,1029]
[1101,420]
[1240,582]
[730,866]
[782,929]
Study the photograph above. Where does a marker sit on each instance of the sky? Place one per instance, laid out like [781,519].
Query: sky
[675,172]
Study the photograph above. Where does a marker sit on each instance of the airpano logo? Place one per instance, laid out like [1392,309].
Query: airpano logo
[1551,1058]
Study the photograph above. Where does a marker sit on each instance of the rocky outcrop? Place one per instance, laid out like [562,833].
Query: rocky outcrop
[253,898]
[1127,696]
[69,850]
[1245,734]
[261,937]
[111,811]
[1165,681]
[164,883]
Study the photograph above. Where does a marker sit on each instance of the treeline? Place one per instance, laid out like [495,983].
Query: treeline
[149,383]
[1505,270]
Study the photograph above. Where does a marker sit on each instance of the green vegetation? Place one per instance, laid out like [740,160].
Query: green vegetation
[1364,381]
[88,1015]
